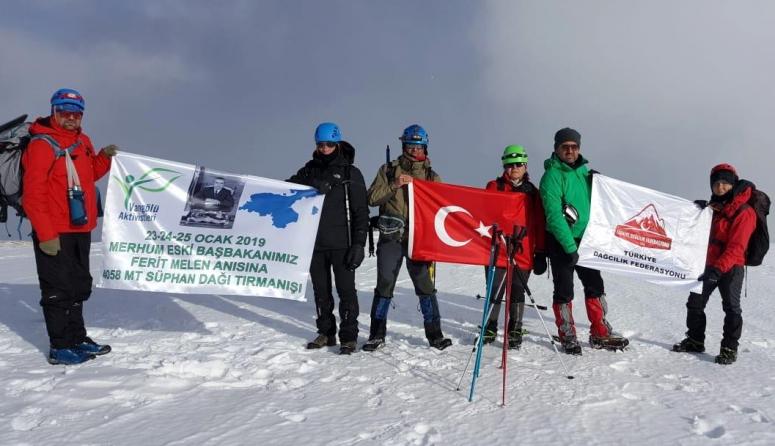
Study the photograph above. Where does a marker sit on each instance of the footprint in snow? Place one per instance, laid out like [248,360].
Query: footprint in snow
[756,415]
[28,420]
[292,416]
[701,426]
[423,434]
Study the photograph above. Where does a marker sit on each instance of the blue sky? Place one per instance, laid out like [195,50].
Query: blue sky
[661,91]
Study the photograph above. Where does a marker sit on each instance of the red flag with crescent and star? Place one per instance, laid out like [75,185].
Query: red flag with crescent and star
[454,224]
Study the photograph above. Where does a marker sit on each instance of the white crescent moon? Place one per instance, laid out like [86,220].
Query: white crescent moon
[441,232]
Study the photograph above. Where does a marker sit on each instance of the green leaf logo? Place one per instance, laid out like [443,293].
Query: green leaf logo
[129,183]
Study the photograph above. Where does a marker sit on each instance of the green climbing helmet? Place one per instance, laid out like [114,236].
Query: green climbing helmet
[514,154]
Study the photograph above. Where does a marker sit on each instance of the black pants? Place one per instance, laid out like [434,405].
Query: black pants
[729,287]
[390,256]
[562,276]
[517,294]
[323,262]
[65,283]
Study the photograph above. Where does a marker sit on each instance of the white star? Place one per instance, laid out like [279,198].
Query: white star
[483,230]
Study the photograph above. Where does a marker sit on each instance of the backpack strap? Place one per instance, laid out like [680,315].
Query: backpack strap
[58,150]
[72,174]
[500,183]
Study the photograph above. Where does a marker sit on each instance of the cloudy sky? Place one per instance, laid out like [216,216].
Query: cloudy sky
[660,90]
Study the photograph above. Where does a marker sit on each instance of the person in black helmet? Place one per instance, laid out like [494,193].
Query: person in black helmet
[340,239]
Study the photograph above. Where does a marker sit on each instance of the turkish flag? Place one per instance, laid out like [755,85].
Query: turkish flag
[454,224]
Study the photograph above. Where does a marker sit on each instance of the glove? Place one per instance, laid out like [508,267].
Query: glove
[574,258]
[701,204]
[110,151]
[50,247]
[354,257]
[539,263]
[710,277]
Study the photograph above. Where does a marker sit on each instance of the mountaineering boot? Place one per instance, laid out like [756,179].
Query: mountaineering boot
[515,325]
[321,341]
[440,343]
[68,356]
[566,327]
[726,356]
[89,346]
[379,310]
[432,321]
[347,348]
[610,342]
[571,346]
[490,332]
[515,340]
[689,345]
[373,344]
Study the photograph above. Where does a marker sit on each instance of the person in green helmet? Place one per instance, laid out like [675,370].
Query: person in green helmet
[566,193]
[515,179]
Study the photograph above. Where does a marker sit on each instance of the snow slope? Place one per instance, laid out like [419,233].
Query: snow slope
[226,370]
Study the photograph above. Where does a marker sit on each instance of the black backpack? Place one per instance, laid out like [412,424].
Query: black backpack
[759,243]
[14,138]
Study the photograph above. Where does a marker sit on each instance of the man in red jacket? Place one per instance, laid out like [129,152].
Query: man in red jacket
[61,240]
[733,223]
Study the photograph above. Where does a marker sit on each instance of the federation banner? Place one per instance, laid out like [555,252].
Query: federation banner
[453,224]
[645,234]
[178,228]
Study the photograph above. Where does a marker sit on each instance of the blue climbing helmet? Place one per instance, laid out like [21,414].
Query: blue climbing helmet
[414,134]
[67,99]
[327,132]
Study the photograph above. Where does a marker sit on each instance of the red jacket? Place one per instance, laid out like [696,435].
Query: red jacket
[536,225]
[730,230]
[45,180]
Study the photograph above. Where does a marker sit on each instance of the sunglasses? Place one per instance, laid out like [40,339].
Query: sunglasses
[326,144]
[569,146]
[414,146]
[70,114]
[514,165]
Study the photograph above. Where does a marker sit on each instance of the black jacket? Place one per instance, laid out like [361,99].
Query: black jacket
[332,232]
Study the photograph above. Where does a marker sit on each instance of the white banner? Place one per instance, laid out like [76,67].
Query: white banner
[179,228]
[645,234]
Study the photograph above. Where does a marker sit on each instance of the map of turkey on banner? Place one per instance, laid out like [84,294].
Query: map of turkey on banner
[645,234]
[449,223]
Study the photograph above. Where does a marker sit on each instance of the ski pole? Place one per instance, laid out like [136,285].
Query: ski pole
[490,276]
[510,248]
[347,212]
[473,350]
[551,339]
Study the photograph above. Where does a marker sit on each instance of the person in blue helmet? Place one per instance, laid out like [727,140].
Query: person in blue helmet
[62,218]
[389,191]
[344,222]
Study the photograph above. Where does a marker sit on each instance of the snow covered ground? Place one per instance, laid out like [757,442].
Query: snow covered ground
[227,370]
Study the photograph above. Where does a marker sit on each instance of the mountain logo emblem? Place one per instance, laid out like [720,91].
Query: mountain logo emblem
[645,229]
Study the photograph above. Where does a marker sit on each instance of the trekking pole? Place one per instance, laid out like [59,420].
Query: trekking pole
[546,329]
[490,276]
[346,185]
[510,249]
[473,350]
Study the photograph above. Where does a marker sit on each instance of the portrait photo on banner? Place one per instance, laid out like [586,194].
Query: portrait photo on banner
[212,199]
